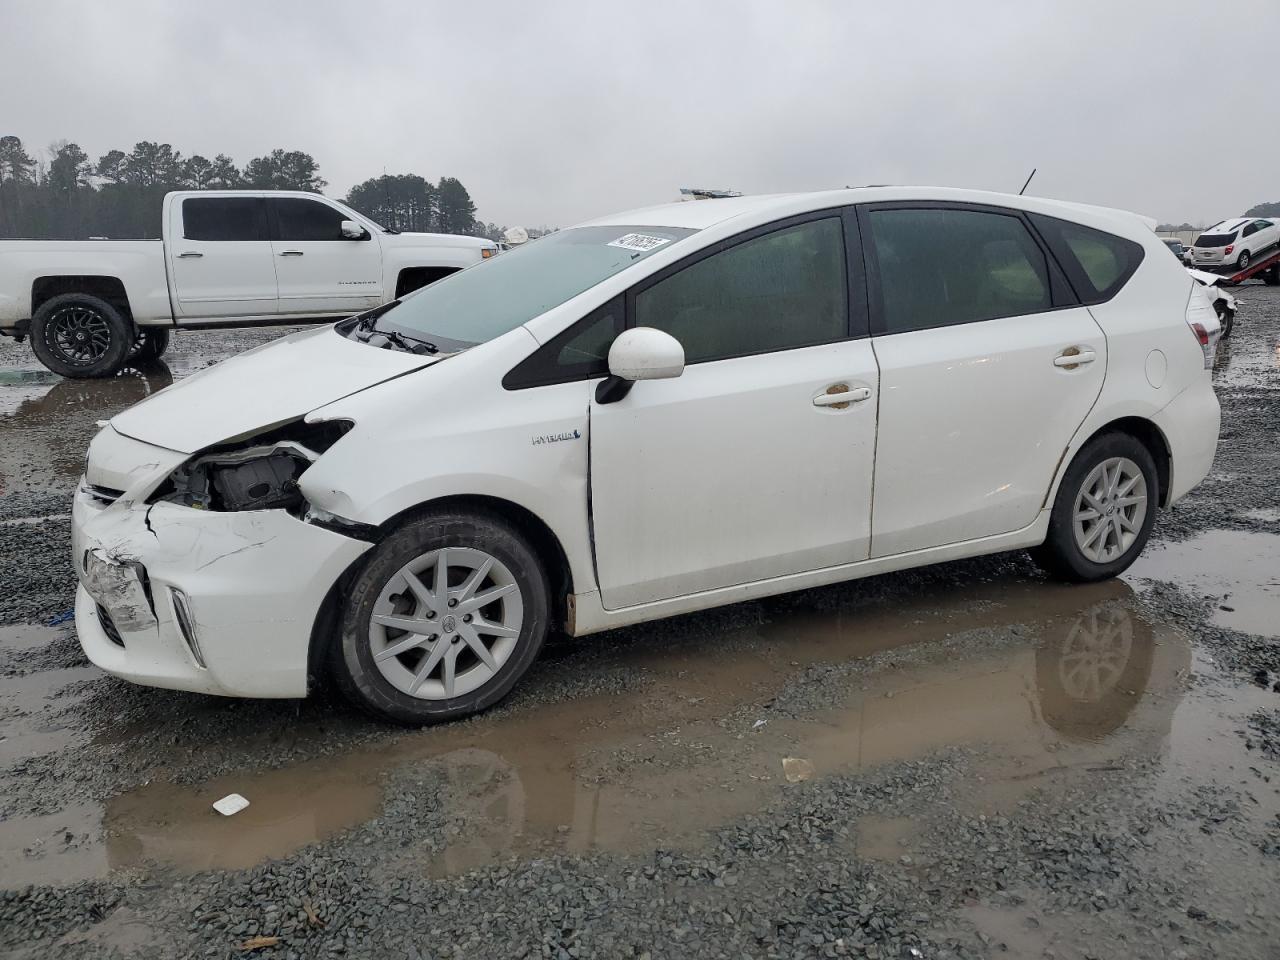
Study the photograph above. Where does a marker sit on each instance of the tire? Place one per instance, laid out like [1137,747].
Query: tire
[80,336]
[1061,554]
[1242,263]
[1226,317]
[404,686]
[149,344]
[1272,276]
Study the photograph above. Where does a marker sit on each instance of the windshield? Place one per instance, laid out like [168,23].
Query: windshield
[1214,239]
[494,296]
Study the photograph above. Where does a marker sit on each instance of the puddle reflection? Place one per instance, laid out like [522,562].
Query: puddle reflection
[38,411]
[666,763]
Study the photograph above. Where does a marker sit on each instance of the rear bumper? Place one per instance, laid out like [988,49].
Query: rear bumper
[253,584]
[1190,424]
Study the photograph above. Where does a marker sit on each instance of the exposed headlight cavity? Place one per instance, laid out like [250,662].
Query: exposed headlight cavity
[254,473]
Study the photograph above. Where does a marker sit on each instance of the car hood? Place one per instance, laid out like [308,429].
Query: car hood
[271,384]
[441,239]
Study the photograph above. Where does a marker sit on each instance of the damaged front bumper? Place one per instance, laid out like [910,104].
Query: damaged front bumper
[207,601]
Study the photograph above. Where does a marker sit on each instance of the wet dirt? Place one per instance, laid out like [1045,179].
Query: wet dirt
[1084,679]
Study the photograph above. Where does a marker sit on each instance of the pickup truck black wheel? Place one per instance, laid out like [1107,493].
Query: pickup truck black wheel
[149,344]
[446,615]
[1272,276]
[80,336]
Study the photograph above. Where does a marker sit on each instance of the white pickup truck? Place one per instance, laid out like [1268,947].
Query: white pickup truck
[227,258]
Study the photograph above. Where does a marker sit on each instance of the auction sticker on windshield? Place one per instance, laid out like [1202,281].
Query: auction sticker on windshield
[639,241]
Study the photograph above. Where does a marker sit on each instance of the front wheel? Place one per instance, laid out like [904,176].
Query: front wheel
[447,614]
[1103,512]
[80,336]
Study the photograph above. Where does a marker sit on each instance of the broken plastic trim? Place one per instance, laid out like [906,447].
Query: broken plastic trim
[348,528]
[258,473]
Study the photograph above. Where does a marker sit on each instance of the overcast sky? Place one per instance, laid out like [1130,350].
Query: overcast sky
[553,112]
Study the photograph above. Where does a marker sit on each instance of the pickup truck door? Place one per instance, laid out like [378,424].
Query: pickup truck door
[220,261]
[319,270]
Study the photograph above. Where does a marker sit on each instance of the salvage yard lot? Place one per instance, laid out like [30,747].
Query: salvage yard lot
[1001,764]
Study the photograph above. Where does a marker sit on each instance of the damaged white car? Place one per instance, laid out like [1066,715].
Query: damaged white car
[647,415]
[1224,304]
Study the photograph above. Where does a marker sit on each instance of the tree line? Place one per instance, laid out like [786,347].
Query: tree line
[66,195]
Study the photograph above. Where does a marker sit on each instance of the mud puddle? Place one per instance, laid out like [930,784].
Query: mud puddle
[1044,677]
[40,412]
[35,714]
[19,386]
[31,395]
[1239,570]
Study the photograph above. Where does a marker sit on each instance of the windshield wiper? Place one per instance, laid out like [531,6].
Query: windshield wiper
[403,342]
[369,320]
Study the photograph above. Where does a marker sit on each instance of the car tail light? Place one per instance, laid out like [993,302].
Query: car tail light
[1203,321]
[1228,248]
[486,253]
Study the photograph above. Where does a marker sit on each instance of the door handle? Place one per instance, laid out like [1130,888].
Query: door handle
[1073,357]
[189,254]
[839,395]
[290,253]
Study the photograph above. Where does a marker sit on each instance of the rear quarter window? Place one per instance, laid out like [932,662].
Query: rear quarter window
[1097,263]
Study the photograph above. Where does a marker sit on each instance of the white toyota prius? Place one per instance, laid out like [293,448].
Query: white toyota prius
[648,414]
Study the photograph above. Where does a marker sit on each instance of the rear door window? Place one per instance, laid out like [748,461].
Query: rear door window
[1097,263]
[223,219]
[940,267]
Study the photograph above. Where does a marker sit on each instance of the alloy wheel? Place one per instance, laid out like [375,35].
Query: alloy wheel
[446,622]
[80,335]
[1110,509]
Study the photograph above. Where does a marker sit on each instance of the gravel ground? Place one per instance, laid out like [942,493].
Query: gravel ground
[966,800]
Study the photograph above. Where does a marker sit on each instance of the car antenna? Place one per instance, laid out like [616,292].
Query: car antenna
[1024,186]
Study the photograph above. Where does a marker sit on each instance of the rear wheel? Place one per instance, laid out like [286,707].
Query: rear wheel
[1272,276]
[1103,512]
[77,335]
[1226,317]
[1243,262]
[149,344]
[447,614]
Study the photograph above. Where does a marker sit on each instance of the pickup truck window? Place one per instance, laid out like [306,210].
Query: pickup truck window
[488,299]
[222,218]
[299,219]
